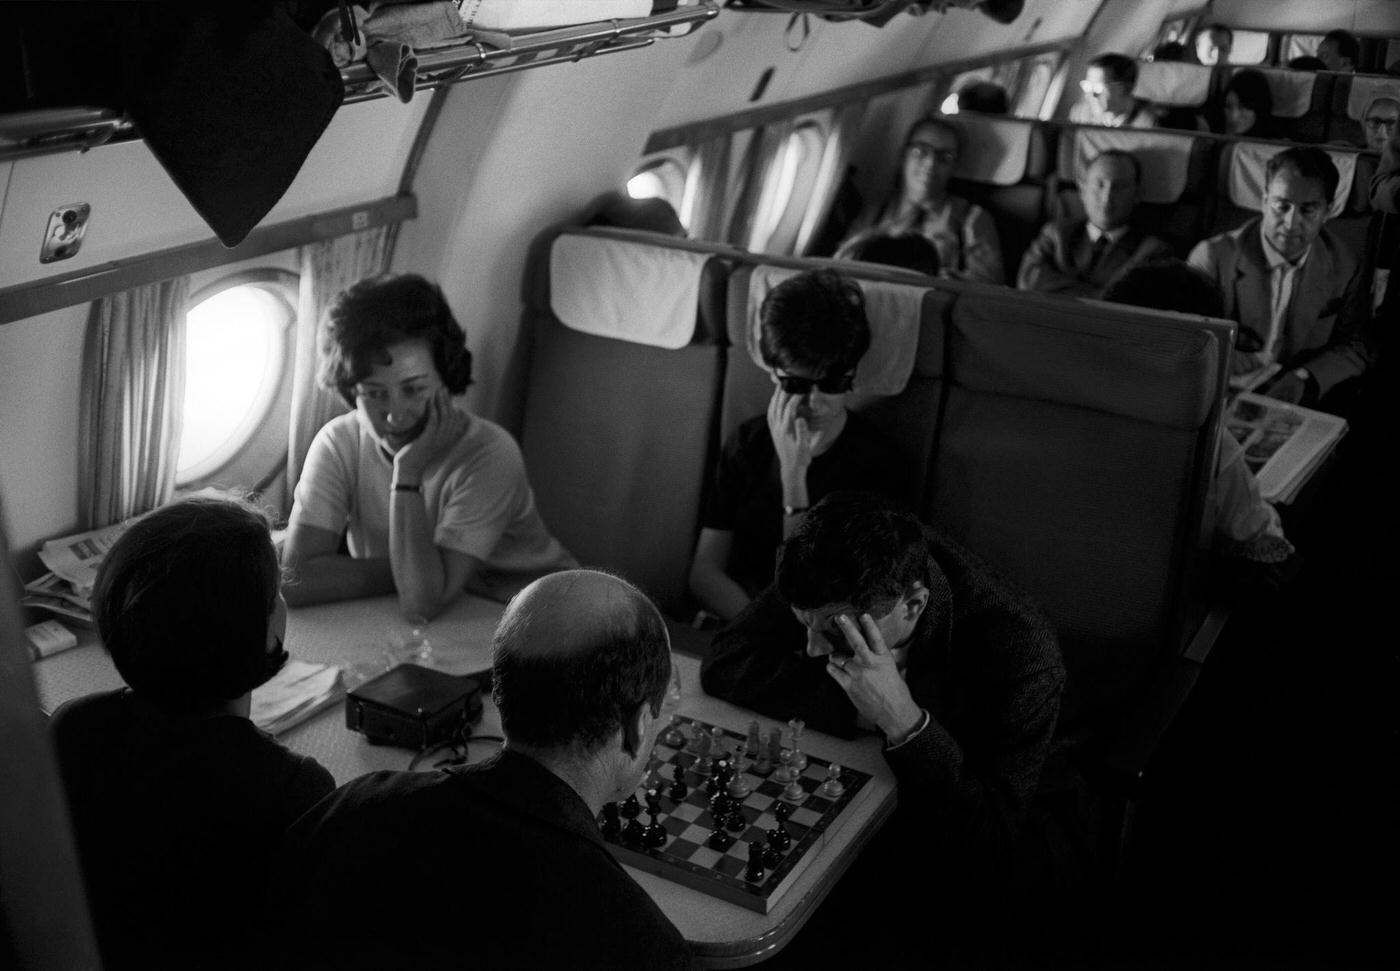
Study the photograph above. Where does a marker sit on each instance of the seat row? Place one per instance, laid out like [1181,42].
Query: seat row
[1309,106]
[1024,172]
[1069,443]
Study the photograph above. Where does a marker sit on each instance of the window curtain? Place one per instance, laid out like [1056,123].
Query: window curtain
[327,268]
[711,204]
[133,396]
[760,158]
[845,123]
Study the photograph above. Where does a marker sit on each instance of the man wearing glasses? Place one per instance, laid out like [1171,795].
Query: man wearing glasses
[812,334]
[1108,95]
[1380,120]
[1292,286]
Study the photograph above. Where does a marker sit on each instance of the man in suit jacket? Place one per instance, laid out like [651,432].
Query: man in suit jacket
[1292,286]
[1081,257]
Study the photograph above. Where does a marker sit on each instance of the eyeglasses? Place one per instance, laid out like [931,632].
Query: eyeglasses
[828,384]
[1097,90]
[1386,123]
[923,150]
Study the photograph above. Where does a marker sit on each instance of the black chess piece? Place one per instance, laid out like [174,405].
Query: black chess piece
[735,822]
[771,856]
[720,840]
[679,790]
[654,836]
[780,838]
[755,872]
[612,822]
[631,807]
[781,812]
[633,832]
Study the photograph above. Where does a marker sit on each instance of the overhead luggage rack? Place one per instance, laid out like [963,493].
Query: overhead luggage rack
[486,53]
[480,54]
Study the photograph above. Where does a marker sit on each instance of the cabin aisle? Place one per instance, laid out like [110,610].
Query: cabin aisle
[1272,839]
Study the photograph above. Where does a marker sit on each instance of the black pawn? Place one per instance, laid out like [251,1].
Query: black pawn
[735,821]
[782,811]
[633,832]
[720,840]
[612,822]
[631,807]
[755,872]
[679,790]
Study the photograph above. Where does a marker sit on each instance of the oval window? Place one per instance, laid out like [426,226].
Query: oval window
[237,359]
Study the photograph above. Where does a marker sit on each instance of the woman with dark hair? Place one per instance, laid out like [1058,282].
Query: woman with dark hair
[178,801]
[432,500]
[963,233]
[1249,106]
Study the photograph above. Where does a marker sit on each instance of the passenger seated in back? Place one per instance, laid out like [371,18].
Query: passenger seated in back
[1249,539]
[908,250]
[435,500]
[1380,120]
[1080,257]
[1108,95]
[983,97]
[1339,51]
[621,210]
[1213,44]
[1248,107]
[178,802]
[965,234]
[813,334]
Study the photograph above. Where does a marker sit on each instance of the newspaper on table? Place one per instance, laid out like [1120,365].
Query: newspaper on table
[66,590]
[298,691]
[1283,444]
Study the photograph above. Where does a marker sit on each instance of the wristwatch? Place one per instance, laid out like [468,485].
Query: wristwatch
[1310,388]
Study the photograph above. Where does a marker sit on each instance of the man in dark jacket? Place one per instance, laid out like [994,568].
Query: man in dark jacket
[501,864]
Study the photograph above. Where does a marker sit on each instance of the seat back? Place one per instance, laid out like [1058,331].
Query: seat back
[1180,90]
[1242,171]
[1302,101]
[619,420]
[1003,167]
[1075,453]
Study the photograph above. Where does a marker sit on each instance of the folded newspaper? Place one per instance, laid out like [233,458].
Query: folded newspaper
[72,561]
[1283,444]
[298,691]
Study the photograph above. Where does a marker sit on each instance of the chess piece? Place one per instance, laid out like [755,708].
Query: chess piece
[720,840]
[679,790]
[738,787]
[754,742]
[784,773]
[703,742]
[755,871]
[779,838]
[735,822]
[674,737]
[781,811]
[775,745]
[799,760]
[611,824]
[633,832]
[631,807]
[793,791]
[832,788]
[654,836]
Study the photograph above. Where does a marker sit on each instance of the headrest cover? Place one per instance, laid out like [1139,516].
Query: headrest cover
[1292,90]
[1165,159]
[626,290]
[995,151]
[1364,90]
[1247,163]
[1173,83]
[893,309]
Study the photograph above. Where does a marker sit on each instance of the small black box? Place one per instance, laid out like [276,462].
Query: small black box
[412,706]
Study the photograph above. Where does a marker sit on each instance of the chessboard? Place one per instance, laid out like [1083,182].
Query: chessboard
[776,808]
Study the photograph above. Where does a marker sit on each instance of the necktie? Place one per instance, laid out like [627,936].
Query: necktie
[1096,253]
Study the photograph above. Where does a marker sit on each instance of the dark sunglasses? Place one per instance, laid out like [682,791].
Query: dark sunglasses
[829,384]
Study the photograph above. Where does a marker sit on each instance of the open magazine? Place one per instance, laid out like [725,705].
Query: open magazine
[1283,444]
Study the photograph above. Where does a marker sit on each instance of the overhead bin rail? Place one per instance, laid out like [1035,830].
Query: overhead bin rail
[478,55]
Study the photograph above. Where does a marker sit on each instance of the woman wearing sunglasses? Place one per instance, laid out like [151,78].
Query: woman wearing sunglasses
[812,334]
[964,234]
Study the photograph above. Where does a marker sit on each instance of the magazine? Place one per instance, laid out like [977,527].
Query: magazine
[1283,444]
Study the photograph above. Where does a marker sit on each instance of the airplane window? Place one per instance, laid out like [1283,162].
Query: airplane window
[238,360]
[791,182]
[1033,98]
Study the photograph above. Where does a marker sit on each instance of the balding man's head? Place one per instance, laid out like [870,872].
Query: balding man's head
[575,655]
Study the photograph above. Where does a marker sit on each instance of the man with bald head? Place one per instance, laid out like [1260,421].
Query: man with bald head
[500,864]
[1081,257]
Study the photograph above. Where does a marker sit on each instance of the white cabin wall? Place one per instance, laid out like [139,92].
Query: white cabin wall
[509,157]
[1310,16]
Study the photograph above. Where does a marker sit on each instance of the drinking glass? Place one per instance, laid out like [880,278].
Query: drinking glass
[411,643]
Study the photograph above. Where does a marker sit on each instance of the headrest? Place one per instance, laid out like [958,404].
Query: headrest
[1364,90]
[1165,158]
[1292,90]
[894,311]
[995,151]
[1173,83]
[1246,178]
[631,291]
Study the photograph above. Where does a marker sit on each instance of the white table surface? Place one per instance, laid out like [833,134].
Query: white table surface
[358,631]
